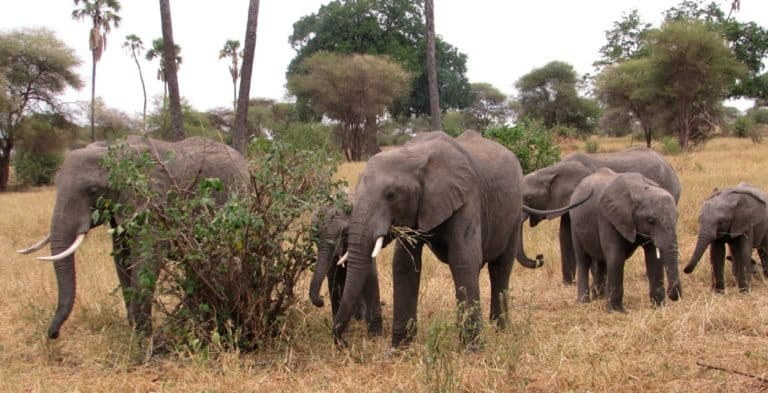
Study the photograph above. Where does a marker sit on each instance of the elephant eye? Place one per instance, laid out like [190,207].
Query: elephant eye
[390,196]
[651,220]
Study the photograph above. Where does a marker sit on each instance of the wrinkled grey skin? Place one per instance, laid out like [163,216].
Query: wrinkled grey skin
[333,232]
[81,181]
[627,211]
[464,196]
[552,186]
[737,216]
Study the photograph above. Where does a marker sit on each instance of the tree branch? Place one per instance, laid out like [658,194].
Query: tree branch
[711,367]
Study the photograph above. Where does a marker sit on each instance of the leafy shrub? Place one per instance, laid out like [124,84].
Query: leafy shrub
[743,126]
[36,169]
[670,146]
[305,136]
[566,131]
[760,115]
[228,276]
[533,144]
[591,146]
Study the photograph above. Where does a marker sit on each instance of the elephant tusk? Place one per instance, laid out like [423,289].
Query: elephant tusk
[67,252]
[35,246]
[343,259]
[377,247]
[658,253]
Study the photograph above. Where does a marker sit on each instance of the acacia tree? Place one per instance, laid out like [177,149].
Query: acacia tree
[232,51]
[171,78]
[489,106]
[103,15]
[135,46]
[351,89]
[35,67]
[434,98]
[241,112]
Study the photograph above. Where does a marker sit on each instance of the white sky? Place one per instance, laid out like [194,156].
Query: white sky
[503,40]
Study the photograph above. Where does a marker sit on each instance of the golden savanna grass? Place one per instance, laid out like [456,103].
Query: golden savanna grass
[551,345]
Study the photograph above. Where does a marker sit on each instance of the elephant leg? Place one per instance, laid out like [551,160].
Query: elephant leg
[568,259]
[655,271]
[717,258]
[121,254]
[599,273]
[406,275]
[741,249]
[143,280]
[761,252]
[336,278]
[499,272]
[372,302]
[615,287]
[583,263]
[468,300]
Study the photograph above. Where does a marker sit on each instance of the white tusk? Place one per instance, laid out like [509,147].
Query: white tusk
[35,246]
[343,259]
[377,247]
[658,254]
[67,252]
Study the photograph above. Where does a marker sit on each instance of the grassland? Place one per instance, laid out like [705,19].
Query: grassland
[552,345]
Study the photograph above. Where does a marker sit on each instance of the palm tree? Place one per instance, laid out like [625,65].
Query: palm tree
[171,79]
[135,46]
[231,50]
[104,15]
[157,52]
[238,138]
[434,98]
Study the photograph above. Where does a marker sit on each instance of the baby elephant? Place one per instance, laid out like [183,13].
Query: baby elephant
[737,216]
[333,226]
[626,211]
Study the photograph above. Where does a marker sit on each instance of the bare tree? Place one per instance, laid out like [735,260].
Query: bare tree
[169,55]
[135,46]
[241,115]
[434,98]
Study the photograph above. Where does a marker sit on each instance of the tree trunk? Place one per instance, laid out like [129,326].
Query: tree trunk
[370,141]
[648,132]
[238,137]
[93,99]
[5,165]
[169,55]
[143,90]
[434,98]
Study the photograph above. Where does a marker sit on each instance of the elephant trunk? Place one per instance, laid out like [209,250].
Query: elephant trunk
[522,257]
[704,240]
[670,258]
[325,258]
[358,268]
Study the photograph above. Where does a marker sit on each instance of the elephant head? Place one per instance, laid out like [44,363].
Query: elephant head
[730,212]
[551,187]
[636,206]
[333,231]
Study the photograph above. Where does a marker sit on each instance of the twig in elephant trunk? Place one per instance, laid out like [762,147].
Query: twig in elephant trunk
[711,367]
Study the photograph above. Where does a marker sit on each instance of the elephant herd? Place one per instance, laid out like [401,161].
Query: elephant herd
[466,199]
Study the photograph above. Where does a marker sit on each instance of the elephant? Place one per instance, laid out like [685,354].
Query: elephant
[82,181]
[552,186]
[737,216]
[462,198]
[627,211]
[333,231]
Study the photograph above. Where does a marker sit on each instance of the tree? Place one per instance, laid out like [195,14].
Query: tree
[629,87]
[135,46]
[625,40]
[171,79]
[232,51]
[36,67]
[241,113]
[394,28]
[549,94]
[352,89]
[103,14]
[162,71]
[694,70]
[489,106]
[434,98]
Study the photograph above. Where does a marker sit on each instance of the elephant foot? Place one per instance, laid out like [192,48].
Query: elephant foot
[744,290]
[675,293]
[340,343]
[618,308]
[657,302]
[718,288]
[583,299]
[375,330]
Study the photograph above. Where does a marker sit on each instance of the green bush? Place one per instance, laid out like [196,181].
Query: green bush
[533,144]
[591,146]
[228,276]
[743,126]
[305,136]
[36,169]
[670,146]
[760,115]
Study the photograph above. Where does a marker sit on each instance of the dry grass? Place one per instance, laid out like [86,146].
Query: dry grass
[553,344]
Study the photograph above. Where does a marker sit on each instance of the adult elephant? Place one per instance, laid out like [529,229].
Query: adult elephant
[462,198]
[333,231]
[737,216]
[82,181]
[627,211]
[552,186]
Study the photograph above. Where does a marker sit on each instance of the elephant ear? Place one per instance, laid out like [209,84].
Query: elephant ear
[616,205]
[751,208]
[563,182]
[448,177]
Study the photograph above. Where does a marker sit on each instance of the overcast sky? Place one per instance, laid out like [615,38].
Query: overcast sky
[503,40]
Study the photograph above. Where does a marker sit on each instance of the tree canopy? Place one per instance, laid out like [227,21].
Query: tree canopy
[489,106]
[385,27]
